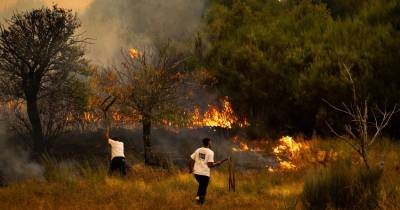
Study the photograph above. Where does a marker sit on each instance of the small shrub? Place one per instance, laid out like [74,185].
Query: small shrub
[163,161]
[343,187]
[70,171]
[367,187]
[94,171]
[339,181]
[59,171]
[315,195]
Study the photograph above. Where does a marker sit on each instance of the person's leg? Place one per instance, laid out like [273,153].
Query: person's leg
[203,184]
[198,178]
[113,166]
[206,181]
[122,168]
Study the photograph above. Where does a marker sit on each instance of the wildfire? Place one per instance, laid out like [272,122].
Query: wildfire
[12,104]
[221,116]
[224,118]
[287,152]
[242,146]
[287,145]
[93,117]
[134,53]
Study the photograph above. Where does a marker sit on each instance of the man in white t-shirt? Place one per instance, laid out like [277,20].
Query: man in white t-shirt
[117,156]
[201,162]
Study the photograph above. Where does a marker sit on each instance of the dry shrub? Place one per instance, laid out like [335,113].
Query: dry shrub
[343,187]
[162,160]
[70,171]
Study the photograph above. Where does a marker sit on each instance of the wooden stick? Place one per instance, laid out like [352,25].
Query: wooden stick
[234,176]
[231,181]
[230,174]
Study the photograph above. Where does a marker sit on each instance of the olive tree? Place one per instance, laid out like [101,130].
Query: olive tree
[40,51]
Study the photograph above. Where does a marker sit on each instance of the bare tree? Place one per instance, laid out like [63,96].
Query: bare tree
[361,132]
[39,52]
[104,95]
[151,84]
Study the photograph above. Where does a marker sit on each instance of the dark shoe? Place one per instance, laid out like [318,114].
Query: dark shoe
[202,200]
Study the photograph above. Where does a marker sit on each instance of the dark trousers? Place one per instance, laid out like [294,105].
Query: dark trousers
[203,184]
[118,164]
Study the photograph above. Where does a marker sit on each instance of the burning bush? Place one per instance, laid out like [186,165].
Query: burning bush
[288,153]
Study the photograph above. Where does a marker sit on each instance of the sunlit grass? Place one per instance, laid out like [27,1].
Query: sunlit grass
[82,186]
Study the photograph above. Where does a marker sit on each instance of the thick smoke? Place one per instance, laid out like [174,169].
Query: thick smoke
[15,164]
[125,23]
[116,25]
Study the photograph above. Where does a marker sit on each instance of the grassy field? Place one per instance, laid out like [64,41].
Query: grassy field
[84,186]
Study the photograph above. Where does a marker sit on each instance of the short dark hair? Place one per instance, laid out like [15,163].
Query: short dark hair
[206,141]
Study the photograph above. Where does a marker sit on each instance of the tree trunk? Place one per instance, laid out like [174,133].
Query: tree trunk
[39,144]
[146,140]
[365,158]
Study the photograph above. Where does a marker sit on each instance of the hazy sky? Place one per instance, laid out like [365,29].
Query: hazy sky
[116,25]
[77,5]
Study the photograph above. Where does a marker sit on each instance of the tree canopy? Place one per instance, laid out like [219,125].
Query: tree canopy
[277,60]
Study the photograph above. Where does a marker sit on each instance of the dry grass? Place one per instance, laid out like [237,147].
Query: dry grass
[148,188]
[88,187]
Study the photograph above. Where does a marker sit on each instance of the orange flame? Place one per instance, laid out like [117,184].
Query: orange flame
[242,146]
[224,118]
[134,53]
[288,145]
[287,152]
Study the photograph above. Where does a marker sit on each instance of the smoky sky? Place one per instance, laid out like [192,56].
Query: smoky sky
[115,25]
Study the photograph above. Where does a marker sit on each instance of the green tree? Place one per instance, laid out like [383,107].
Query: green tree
[277,60]
[257,53]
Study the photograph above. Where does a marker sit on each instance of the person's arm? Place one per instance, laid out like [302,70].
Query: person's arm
[191,165]
[191,162]
[106,134]
[213,164]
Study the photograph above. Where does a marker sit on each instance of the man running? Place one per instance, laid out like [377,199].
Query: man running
[200,163]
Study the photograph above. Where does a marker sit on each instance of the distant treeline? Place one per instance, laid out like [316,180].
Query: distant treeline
[279,60]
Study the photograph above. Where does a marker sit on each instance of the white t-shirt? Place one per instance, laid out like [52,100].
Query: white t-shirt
[201,157]
[117,148]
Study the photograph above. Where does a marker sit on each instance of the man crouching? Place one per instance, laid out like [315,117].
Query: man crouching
[200,163]
[117,155]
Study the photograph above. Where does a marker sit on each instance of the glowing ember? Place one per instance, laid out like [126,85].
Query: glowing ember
[134,53]
[94,117]
[242,146]
[287,165]
[70,117]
